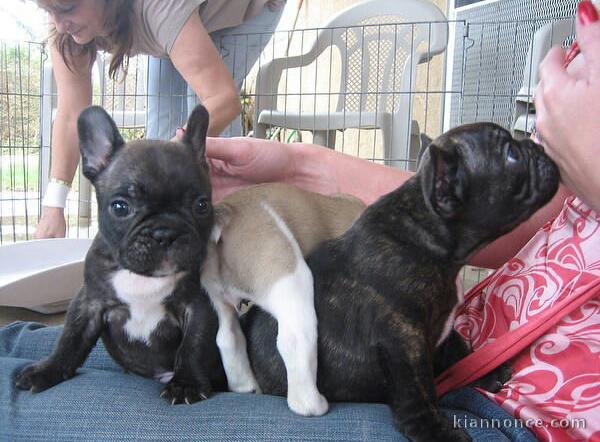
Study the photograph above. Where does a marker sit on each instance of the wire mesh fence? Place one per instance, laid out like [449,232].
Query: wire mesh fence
[20,101]
[371,90]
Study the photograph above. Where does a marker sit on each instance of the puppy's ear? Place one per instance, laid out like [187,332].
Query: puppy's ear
[195,134]
[445,184]
[425,142]
[99,140]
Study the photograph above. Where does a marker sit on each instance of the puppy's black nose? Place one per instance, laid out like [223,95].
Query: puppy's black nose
[164,236]
[533,145]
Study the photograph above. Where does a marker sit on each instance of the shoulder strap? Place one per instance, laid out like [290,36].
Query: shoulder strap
[487,358]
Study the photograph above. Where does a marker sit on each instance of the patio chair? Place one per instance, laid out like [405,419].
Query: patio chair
[125,104]
[380,44]
[551,34]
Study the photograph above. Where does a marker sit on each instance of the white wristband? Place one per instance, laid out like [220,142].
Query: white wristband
[56,194]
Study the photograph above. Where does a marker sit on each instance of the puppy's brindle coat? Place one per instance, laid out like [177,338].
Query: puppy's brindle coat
[385,290]
[141,291]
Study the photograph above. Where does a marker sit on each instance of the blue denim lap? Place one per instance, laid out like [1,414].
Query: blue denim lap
[104,403]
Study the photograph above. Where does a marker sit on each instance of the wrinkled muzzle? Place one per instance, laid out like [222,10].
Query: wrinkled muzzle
[162,250]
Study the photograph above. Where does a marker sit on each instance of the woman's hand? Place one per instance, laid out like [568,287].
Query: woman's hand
[567,108]
[239,162]
[52,224]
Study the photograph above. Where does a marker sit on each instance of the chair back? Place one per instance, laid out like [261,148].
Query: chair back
[124,98]
[380,43]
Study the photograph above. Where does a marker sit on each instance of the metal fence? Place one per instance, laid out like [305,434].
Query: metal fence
[20,137]
[369,90]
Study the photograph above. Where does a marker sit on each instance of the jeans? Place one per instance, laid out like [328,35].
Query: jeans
[171,100]
[103,403]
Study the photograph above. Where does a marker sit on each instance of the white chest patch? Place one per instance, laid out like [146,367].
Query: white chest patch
[144,296]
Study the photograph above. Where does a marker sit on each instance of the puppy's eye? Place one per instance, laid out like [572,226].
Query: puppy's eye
[513,154]
[201,206]
[120,208]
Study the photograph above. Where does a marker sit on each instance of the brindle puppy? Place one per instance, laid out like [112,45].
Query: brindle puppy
[385,291]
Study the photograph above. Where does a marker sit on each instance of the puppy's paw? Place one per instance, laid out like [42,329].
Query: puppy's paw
[251,389]
[178,392]
[494,380]
[248,385]
[308,404]
[39,377]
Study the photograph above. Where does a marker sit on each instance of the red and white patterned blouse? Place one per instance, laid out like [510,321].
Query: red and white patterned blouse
[556,382]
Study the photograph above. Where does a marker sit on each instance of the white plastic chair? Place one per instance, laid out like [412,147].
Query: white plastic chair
[546,37]
[380,44]
[127,108]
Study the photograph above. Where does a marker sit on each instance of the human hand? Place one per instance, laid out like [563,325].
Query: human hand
[567,105]
[52,223]
[179,133]
[239,162]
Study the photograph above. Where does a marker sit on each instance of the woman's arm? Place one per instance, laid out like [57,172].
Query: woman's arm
[199,63]
[240,162]
[74,92]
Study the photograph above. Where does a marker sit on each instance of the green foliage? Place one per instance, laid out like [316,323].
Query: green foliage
[19,171]
[20,94]
[20,102]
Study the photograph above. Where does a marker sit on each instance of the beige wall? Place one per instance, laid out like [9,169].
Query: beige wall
[318,78]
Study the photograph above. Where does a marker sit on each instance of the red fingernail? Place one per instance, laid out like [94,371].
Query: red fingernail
[571,54]
[586,13]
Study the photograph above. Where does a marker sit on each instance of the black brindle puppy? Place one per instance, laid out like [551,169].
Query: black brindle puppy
[141,290]
[385,291]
